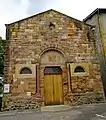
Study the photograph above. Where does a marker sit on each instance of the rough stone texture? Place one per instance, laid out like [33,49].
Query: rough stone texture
[95,20]
[19,103]
[70,40]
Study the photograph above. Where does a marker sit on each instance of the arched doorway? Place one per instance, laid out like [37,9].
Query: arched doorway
[52,65]
[53,92]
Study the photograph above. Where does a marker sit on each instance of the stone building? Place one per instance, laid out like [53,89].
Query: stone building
[98,19]
[51,59]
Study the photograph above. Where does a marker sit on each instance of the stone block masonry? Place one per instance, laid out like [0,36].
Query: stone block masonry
[50,39]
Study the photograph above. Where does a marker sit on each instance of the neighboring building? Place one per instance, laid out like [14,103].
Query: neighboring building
[98,18]
[51,59]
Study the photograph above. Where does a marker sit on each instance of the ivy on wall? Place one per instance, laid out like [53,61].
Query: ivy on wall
[2,50]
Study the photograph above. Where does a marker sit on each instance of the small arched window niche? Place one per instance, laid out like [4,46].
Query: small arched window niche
[51,26]
[79,69]
[25,70]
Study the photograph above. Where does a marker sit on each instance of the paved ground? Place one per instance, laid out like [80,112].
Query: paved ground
[84,112]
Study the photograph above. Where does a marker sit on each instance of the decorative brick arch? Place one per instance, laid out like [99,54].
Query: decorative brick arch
[55,50]
[52,57]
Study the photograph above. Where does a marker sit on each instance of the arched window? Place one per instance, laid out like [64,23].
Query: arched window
[25,70]
[79,69]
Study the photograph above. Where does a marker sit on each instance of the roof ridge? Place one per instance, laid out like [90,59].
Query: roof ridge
[97,10]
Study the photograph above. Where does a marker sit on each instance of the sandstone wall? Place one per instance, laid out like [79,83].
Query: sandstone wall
[30,38]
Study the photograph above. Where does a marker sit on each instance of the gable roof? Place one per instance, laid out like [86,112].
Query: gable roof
[43,13]
[96,11]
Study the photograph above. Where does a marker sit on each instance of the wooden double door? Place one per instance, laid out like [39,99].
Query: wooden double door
[53,93]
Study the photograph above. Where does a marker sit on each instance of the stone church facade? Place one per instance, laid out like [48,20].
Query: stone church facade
[51,59]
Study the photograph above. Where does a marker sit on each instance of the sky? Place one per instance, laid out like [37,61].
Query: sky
[13,10]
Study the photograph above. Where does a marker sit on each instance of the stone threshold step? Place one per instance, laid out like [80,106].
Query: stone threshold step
[55,108]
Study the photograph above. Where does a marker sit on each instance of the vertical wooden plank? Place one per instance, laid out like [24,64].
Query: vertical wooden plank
[48,89]
[58,93]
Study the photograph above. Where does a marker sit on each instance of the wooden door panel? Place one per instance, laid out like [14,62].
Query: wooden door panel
[48,89]
[57,82]
[53,89]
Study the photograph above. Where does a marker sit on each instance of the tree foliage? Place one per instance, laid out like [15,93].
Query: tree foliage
[2,50]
